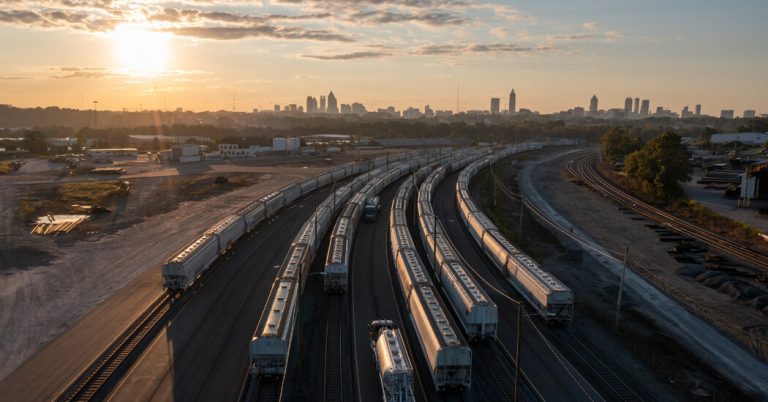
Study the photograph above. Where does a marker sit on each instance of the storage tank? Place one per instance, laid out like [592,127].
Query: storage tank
[278,144]
[293,144]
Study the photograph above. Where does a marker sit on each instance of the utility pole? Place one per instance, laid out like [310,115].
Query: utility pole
[95,116]
[517,350]
[520,224]
[621,289]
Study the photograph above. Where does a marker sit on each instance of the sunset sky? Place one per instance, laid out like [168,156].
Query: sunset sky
[556,54]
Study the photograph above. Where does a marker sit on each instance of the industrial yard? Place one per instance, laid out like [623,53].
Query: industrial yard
[243,298]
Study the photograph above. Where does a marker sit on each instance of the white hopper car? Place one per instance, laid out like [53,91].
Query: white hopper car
[181,269]
[477,313]
[392,362]
[270,345]
[550,297]
[447,354]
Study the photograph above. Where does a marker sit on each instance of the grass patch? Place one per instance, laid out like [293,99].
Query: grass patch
[90,193]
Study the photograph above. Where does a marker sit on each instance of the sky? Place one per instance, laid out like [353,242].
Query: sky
[219,55]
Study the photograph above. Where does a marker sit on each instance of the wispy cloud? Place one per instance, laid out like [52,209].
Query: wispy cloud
[81,73]
[592,25]
[614,36]
[347,56]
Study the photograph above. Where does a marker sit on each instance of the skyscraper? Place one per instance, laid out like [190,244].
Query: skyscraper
[627,107]
[637,106]
[645,107]
[311,104]
[726,114]
[512,101]
[333,107]
[749,114]
[322,104]
[593,104]
[698,110]
[495,105]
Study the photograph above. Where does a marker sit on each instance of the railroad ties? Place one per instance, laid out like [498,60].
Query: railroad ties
[98,379]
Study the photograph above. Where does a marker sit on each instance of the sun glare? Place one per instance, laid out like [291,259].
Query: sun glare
[140,51]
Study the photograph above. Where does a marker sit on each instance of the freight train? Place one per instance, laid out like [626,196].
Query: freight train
[545,293]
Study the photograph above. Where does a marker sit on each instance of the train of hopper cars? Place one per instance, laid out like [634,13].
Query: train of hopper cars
[341,242]
[271,342]
[545,293]
[477,313]
[448,356]
[186,265]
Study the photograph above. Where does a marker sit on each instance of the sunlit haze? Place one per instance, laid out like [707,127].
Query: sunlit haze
[196,54]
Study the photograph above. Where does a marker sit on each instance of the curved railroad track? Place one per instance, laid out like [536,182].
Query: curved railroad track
[583,168]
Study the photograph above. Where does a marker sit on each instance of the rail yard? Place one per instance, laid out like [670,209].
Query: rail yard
[380,279]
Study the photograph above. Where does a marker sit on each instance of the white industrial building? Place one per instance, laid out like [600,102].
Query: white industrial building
[744,138]
[112,153]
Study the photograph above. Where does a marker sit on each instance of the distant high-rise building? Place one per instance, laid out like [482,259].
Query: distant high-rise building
[322,104]
[512,102]
[627,107]
[277,108]
[726,114]
[428,112]
[698,110]
[593,104]
[311,104]
[345,108]
[660,110]
[333,107]
[359,108]
[749,114]
[685,113]
[645,107]
[637,106]
[495,105]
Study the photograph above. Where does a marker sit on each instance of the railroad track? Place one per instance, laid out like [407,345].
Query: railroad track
[333,387]
[583,168]
[608,382]
[500,364]
[96,381]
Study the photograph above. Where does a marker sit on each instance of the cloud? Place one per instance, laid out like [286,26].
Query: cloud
[614,36]
[432,18]
[500,32]
[12,78]
[590,25]
[260,31]
[572,37]
[81,73]
[347,56]
[481,48]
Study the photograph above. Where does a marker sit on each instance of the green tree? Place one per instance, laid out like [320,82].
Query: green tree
[35,142]
[617,144]
[659,167]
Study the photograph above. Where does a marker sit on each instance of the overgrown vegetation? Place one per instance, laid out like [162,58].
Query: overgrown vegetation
[617,144]
[659,168]
[65,196]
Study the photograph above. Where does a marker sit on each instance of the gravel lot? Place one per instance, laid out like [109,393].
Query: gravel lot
[47,284]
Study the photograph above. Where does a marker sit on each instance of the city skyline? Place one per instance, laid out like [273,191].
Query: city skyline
[147,54]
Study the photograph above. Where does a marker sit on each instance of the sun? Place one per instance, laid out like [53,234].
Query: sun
[140,51]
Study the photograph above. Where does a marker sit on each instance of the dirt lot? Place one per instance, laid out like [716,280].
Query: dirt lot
[47,283]
[645,352]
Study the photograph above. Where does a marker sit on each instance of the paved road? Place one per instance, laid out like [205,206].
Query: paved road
[203,353]
[554,380]
[724,355]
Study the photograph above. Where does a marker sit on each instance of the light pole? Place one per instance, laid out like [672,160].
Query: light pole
[95,116]
[517,349]
[621,289]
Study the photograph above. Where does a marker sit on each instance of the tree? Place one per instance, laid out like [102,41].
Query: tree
[35,142]
[659,167]
[617,144]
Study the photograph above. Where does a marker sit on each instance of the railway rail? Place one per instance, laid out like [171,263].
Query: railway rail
[95,382]
[333,381]
[583,168]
